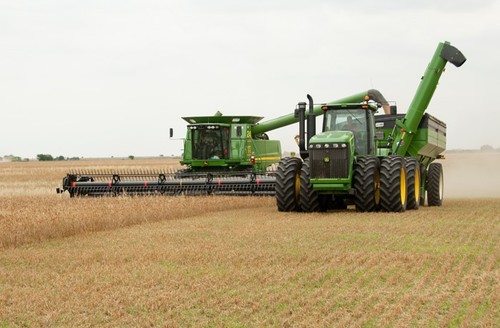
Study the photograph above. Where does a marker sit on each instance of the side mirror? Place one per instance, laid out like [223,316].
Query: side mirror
[171,133]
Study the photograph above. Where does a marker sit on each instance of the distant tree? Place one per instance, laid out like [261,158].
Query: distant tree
[12,158]
[131,157]
[486,148]
[44,157]
[60,158]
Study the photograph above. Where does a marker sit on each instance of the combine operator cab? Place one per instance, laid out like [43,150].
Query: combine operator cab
[210,142]
[226,144]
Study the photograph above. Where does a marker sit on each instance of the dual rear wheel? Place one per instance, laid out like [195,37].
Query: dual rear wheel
[366,183]
[413,183]
[399,185]
[380,184]
[393,184]
[389,184]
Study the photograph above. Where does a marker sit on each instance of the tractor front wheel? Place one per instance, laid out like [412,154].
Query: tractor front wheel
[309,199]
[288,184]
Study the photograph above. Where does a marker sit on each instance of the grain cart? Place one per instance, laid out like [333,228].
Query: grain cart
[380,162]
[222,154]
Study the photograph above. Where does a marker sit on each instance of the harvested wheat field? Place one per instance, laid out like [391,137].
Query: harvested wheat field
[237,262]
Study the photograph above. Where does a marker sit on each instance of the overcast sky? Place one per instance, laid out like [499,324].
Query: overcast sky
[110,77]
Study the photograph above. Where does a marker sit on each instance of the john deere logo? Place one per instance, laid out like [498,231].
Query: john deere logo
[326,160]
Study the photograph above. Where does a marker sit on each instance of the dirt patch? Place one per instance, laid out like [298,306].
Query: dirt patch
[471,175]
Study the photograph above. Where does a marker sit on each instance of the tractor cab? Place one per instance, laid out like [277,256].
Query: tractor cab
[353,119]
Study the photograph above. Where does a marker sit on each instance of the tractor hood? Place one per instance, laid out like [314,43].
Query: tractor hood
[332,137]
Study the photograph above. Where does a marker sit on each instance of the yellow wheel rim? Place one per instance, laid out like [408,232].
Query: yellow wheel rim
[297,187]
[417,184]
[402,185]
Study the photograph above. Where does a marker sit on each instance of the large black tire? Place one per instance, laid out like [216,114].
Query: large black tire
[366,183]
[288,184]
[393,191]
[413,183]
[309,199]
[435,184]
[423,180]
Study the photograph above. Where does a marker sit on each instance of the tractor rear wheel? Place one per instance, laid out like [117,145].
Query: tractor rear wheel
[288,184]
[413,183]
[393,191]
[366,183]
[309,198]
[435,184]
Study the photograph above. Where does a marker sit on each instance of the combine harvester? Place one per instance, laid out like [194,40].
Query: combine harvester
[383,162]
[222,155]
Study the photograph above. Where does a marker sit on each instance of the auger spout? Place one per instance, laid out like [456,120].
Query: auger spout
[409,124]
[289,119]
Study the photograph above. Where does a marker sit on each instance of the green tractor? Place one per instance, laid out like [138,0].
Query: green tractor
[375,162]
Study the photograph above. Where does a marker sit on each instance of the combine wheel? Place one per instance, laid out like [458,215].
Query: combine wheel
[288,184]
[393,191]
[367,184]
[435,185]
[309,199]
[413,183]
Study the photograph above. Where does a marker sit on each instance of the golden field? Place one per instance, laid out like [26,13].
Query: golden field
[237,262]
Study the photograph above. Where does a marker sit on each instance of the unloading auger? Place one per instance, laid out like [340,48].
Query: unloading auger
[222,155]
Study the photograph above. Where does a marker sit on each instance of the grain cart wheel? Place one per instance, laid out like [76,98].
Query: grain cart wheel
[413,183]
[435,184]
[288,184]
[309,199]
[393,192]
[366,183]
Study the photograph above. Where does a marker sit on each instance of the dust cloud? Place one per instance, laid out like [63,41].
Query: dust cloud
[471,174]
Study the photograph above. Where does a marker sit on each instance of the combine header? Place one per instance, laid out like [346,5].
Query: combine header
[100,183]
[222,155]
